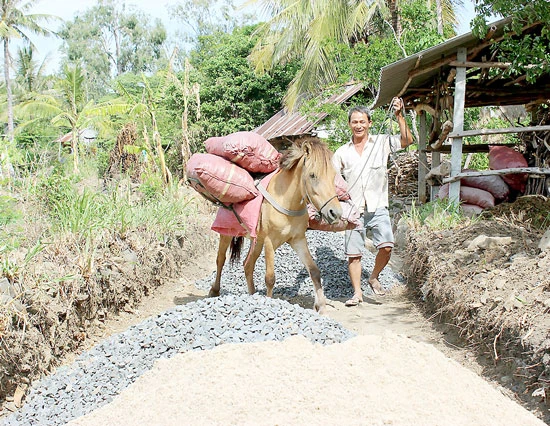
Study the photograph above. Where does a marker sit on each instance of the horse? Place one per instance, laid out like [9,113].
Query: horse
[305,175]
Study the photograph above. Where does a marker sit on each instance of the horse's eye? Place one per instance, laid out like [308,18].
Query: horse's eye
[313,176]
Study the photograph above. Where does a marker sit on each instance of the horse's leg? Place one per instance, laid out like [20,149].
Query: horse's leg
[269,255]
[250,263]
[300,247]
[223,245]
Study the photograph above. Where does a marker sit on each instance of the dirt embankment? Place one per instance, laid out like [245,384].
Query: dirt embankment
[60,306]
[490,283]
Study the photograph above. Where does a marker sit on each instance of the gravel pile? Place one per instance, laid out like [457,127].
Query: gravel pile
[101,373]
[291,277]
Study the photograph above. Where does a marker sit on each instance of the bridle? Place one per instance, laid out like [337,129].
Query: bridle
[289,212]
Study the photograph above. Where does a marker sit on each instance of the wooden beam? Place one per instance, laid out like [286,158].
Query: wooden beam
[467,149]
[477,132]
[471,64]
[529,170]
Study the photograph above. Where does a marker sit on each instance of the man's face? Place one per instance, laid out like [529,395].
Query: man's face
[359,124]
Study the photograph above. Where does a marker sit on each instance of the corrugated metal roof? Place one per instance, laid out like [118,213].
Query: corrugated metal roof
[295,124]
[398,76]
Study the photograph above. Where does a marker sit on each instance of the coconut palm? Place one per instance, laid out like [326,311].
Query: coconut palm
[309,30]
[17,23]
[69,107]
[29,74]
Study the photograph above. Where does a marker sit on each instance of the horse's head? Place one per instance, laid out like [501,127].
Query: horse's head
[317,178]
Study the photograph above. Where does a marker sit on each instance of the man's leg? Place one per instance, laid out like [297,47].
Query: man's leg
[381,260]
[354,242]
[355,270]
[382,233]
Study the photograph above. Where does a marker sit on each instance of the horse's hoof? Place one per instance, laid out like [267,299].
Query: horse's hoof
[213,293]
[321,310]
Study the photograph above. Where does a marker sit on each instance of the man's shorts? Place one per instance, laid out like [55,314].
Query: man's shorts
[382,235]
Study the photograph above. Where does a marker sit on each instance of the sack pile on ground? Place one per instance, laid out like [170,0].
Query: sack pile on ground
[478,193]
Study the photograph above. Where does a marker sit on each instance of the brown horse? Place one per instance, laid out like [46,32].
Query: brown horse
[305,176]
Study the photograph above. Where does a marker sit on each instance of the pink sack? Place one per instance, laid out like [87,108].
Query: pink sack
[350,219]
[503,157]
[249,150]
[469,195]
[215,176]
[491,183]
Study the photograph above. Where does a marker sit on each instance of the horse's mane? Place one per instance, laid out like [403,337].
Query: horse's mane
[316,150]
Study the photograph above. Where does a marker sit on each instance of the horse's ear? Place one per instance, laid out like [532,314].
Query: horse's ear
[306,147]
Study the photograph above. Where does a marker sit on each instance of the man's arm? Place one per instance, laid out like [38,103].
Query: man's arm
[406,134]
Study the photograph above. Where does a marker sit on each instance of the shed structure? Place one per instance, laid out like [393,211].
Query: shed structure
[284,127]
[460,73]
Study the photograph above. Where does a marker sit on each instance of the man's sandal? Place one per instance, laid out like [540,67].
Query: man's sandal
[354,301]
[379,290]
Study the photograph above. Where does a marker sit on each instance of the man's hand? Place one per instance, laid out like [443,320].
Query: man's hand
[398,106]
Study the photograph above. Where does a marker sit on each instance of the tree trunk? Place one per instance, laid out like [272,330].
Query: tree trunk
[395,21]
[439,10]
[160,151]
[74,148]
[9,95]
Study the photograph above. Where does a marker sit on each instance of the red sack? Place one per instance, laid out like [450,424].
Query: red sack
[469,195]
[215,176]
[249,150]
[503,157]
[349,220]
[491,183]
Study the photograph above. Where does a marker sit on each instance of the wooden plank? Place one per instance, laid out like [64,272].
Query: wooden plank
[458,121]
[516,170]
[422,159]
[478,132]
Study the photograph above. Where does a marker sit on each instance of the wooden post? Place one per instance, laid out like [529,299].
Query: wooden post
[436,161]
[422,159]
[458,120]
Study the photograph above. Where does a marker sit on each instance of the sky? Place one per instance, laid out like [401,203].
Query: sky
[66,9]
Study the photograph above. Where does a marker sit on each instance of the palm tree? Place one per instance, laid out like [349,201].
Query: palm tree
[17,23]
[309,30]
[29,75]
[68,106]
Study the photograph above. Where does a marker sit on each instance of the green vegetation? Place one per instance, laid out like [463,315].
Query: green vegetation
[440,214]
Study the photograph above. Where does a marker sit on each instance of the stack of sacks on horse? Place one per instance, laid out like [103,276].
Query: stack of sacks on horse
[286,185]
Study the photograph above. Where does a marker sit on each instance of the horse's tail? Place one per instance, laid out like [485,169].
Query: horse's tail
[235,249]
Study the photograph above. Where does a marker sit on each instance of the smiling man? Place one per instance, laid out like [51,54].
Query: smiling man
[363,164]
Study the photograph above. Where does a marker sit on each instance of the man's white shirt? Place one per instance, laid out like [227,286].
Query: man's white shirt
[366,174]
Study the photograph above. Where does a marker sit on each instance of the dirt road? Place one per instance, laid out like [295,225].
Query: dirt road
[399,370]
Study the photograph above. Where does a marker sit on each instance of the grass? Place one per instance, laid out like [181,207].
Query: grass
[440,214]
[70,216]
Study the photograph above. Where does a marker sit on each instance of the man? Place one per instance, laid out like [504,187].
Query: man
[363,164]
